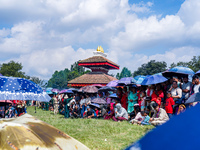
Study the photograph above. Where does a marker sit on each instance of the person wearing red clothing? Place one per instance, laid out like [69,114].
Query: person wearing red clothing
[124,98]
[169,105]
[157,95]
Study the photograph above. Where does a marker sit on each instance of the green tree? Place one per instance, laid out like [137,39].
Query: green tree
[13,69]
[194,64]
[60,78]
[39,82]
[124,73]
[150,68]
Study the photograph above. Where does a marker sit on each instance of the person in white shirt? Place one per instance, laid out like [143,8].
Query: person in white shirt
[176,92]
[196,87]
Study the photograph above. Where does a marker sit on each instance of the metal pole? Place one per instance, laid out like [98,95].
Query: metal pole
[5,109]
[35,108]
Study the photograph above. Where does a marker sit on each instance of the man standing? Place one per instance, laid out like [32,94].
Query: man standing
[186,88]
[175,91]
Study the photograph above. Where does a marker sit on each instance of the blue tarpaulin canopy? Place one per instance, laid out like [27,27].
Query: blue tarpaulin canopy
[180,132]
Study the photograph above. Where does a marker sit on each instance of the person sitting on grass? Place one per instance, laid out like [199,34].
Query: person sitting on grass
[76,112]
[90,113]
[138,116]
[159,117]
[120,113]
[169,104]
[181,109]
[110,113]
[146,118]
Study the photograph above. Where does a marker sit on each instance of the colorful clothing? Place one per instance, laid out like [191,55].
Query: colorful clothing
[133,97]
[169,105]
[157,98]
[146,121]
[160,117]
[124,101]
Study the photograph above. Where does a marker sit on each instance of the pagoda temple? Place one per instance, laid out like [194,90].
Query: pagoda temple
[99,66]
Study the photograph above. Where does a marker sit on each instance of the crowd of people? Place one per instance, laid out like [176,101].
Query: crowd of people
[15,109]
[143,105]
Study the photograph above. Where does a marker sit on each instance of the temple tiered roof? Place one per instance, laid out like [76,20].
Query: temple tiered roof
[99,66]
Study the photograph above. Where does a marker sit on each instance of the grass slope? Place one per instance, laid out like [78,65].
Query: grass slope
[96,134]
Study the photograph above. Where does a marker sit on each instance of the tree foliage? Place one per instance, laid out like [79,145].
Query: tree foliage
[150,68]
[124,73]
[39,82]
[194,64]
[60,79]
[13,69]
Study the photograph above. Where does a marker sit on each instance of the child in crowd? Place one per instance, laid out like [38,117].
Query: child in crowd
[96,111]
[169,104]
[138,116]
[143,100]
[146,118]
[181,109]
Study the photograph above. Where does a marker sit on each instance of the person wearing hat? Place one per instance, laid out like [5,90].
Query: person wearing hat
[120,113]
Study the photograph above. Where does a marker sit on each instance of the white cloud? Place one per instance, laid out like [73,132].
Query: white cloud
[45,62]
[184,54]
[141,7]
[47,35]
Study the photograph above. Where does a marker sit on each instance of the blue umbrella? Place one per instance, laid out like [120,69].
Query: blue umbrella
[198,73]
[193,98]
[160,73]
[12,88]
[140,79]
[48,90]
[125,81]
[183,70]
[114,95]
[178,71]
[154,79]
[180,132]
[137,77]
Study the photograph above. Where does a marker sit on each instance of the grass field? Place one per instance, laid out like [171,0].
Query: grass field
[96,134]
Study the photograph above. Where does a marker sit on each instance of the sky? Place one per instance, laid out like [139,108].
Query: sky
[50,35]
